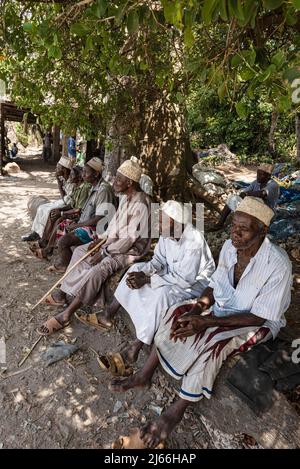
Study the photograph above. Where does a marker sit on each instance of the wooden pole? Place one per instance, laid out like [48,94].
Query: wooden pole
[70,270]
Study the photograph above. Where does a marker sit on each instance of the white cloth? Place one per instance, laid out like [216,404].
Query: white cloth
[264,289]
[42,215]
[44,210]
[179,270]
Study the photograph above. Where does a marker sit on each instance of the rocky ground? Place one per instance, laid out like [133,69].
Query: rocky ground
[68,404]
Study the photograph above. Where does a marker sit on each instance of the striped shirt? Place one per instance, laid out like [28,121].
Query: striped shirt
[264,289]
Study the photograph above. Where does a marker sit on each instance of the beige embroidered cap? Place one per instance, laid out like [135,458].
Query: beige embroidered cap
[256,208]
[66,162]
[131,169]
[266,168]
[95,163]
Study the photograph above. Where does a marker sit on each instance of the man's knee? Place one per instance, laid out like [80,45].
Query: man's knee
[67,241]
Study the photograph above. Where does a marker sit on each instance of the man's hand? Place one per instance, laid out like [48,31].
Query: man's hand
[98,257]
[72,227]
[55,213]
[136,280]
[189,324]
[93,244]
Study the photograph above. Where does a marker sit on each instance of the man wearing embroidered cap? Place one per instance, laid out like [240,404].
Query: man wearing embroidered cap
[127,239]
[85,230]
[63,169]
[244,304]
[179,270]
[263,187]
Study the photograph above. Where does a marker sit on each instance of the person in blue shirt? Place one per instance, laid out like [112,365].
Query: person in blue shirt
[72,147]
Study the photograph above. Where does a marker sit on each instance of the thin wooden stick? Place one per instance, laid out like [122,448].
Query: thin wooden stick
[29,351]
[68,271]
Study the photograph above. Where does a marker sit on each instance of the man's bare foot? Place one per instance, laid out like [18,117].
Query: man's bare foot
[131,353]
[158,431]
[138,380]
[61,318]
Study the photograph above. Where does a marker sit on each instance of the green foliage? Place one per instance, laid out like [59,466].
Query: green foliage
[79,67]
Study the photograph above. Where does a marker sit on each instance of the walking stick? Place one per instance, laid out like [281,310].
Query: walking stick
[68,271]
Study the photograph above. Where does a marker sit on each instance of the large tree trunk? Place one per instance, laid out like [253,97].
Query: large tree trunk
[56,143]
[164,146]
[271,139]
[298,136]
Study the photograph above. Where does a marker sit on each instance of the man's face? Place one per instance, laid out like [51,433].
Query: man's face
[166,225]
[74,176]
[121,184]
[262,177]
[244,231]
[88,175]
[59,170]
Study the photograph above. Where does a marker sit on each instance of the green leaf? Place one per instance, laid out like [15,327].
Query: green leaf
[284,103]
[79,29]
[101,7]
[180,97]
[272,4]
[296,4]
[278,59]
[132,21]
[247,74]
[89,44]
[241,109]
[28,27]
[55,52]
[208,10]
[222,91]
[236,9]
[290,17]
[188,37]
[223,10]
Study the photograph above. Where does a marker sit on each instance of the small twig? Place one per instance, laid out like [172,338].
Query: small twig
[14,373]
[30,351]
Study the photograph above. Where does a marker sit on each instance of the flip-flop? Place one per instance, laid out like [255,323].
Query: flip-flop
[52,268]
[92,320]
[114,364]
[133,441]
[53,326]
[50,301]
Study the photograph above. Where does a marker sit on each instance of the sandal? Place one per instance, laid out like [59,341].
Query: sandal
[49,300]
[53,326]
[133,441]
[114,364]
[92,320]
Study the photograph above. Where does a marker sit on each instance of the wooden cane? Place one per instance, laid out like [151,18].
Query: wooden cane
[68,271]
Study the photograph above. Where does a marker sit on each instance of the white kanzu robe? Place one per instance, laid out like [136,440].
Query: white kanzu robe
[44,210]
[180,270]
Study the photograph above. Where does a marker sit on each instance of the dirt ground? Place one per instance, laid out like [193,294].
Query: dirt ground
[68,404]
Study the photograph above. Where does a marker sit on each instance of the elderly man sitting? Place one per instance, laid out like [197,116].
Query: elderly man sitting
[63,169]
[263,187]
[243,305]
[94,210]
[127,239]
[179,270]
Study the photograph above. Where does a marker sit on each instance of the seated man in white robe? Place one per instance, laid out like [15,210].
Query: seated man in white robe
[243,305]
[63,170]
[179,270]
